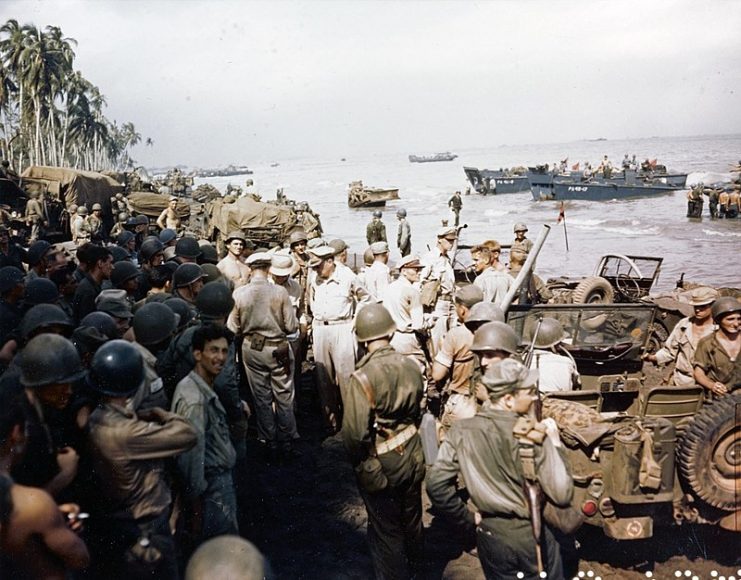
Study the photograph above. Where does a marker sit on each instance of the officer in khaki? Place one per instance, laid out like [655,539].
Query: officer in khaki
[264,316]
[379,428]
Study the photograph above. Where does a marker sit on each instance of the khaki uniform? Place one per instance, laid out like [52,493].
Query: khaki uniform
[34,216]
[712,358]
[403,302]
[394,510]
[94,226]
[264,316]
[679,348]
[494,284]
[439,267]
[234,269]
[522,245]
[377,279]
[455,354]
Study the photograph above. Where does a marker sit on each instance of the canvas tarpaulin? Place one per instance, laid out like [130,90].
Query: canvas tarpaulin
[153,204]
[246,213]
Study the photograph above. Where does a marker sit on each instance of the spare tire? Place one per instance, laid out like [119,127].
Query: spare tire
[593,290]
[709,454]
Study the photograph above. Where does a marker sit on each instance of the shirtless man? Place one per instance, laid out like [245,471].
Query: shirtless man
[36,535]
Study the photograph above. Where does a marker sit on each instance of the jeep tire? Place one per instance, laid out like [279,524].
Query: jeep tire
[709,455]
[593,290]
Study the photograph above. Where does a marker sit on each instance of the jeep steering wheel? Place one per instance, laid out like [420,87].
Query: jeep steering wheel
[628,287]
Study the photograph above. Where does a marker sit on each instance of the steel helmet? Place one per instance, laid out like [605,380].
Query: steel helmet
[297,237]
[401,212]
[40,291]
[377,214]
[154,323]
[117,369]
[550,333]
[142,220]
[495,336]
[485,312]
[50,359]
[186,274]
[101,321]
[167,235]
[72,208]
[97,207]
[82,210]
[209,254]
[151,246]
[37,251]
[520,227]
[236,235]
[374,322]
[182,309]
[214,301]
[119,254]
[123,216]
[124,237]
[723,306]
[188,247]
[123,272]
[43,316]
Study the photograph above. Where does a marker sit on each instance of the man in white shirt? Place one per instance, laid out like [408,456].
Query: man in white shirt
[378,276]
[557,371]
[493,281]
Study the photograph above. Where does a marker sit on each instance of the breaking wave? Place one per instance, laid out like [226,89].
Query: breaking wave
[722,234]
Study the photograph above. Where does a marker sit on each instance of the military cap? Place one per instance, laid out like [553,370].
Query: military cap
[259,259]
[114,303]
[703,296]
[447,232]
[281,265]
[319,254]
[235,235]
[469,295]
[82,210]
[338,246]
[506,376]
[378,248]
[10,277]
[410,261]
[173,198]
[315,243]
[520,227]
[297,237]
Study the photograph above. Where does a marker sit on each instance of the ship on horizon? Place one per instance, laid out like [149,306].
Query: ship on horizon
[446,156]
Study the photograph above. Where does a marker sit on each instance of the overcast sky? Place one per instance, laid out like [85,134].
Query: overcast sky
[217,82]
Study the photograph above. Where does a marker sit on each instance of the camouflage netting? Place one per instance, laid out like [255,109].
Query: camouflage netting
[152,204]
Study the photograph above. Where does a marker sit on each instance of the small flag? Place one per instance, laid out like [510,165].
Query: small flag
[562,213]
[575,166]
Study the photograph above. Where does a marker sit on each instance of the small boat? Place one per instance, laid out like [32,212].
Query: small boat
[228,171]
[274,164]
[447,156]
[360,196]
[487,181]
[564,187]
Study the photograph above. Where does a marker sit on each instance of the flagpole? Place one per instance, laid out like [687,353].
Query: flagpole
[562,218]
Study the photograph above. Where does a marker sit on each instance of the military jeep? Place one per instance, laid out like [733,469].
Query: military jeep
[642,456]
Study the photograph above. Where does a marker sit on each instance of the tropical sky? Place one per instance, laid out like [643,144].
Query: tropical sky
[216,82]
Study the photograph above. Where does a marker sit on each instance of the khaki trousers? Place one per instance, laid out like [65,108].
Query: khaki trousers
[335,350]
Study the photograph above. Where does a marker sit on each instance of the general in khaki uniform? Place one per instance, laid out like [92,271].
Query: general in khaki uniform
[264,316]
[382,410]
[484,450]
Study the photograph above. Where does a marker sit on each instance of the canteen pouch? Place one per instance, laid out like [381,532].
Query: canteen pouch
[371,476]
[429,293]
[257,342]
[565,519]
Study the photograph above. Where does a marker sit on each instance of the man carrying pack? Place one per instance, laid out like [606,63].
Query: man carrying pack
[382,411]
[492,462]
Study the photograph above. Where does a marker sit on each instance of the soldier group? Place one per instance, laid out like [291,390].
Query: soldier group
[723,200]
[129,372]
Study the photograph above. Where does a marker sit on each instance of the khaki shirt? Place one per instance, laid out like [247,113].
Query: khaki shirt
[439,267]
[494,284]
[712,358]
[263,308]
[403,302]
[128,456]
[524,245]
[377,279]
[234,269]
[335,298]
[455,354]
[680,348]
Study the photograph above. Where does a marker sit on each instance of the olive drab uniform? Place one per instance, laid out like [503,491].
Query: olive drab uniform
[375,231]
[455,204]
[404,237]
[94,226]
[379,429]
[35,216]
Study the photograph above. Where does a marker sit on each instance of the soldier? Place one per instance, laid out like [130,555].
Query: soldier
[713,198]
[151,256]
[379,429]
[206,470]
[280,273]
[35,215]
[487,455]
[521,242]
[403,302]
[118,227]
[10,252]
[681,344]
[95,223]
[404,234]
[733,203]
[129,452]
[334,294]
[169,218]
[556,366]
[605,167]
[98,267]
[38,259]
[438,284]
[78,227]
[717,363]
[378,276]
[695,201]
[187,282]
[376,230]
[231,265]
[493,282]
[723,201]
[187,250]
[455,360]
[455,204]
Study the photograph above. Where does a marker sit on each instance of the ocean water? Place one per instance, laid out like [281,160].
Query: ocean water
[704,250]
